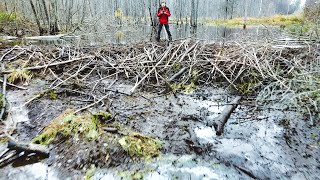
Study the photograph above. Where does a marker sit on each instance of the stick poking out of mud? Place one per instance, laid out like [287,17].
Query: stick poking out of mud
[220,122]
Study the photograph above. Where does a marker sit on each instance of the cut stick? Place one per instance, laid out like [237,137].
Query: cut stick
[13,85]
[220,122]
[178,74]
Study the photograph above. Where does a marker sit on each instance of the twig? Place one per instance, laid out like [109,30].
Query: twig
[92,104]
[162,59]
[13,85]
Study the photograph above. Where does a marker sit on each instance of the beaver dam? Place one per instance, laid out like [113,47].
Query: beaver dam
[184,110]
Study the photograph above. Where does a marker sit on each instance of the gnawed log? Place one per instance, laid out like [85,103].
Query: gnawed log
[220,122]
[28,148]
[16,150]
[178,74]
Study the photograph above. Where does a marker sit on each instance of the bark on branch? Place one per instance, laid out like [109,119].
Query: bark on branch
[29,148]
[220,122]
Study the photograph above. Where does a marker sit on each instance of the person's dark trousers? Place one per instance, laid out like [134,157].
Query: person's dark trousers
[167,29]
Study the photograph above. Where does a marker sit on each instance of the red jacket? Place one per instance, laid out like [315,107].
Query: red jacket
[163,17]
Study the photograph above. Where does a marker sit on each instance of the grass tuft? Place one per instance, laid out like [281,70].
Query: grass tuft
[277,20]
[18,76]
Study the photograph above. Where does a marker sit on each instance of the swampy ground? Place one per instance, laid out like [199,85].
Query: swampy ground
[262,142]
[161,131]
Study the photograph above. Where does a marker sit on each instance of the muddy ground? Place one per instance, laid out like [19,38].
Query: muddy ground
[259,142]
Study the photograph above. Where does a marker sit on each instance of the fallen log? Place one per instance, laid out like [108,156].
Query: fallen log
[28,148]
[3,100]
[220,122]
[14,149]
[193,141]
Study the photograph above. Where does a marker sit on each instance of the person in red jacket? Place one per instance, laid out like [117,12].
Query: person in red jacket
[163,14]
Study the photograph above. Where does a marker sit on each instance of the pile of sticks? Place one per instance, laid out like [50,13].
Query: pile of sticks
[154,66]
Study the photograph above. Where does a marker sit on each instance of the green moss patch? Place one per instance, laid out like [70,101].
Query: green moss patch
[85,126]
[184,88]
[141,146]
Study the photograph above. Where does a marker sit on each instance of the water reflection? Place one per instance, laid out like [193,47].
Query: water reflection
[133,34]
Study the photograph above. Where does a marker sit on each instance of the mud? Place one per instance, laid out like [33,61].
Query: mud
[258,142]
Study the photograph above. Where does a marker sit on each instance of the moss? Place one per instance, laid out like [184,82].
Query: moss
[248,84]
[136,174]
[53,95]
[6,17]
[246,87]
[185,88]
[90,172]
[140,146]
[101,116]
[67,124]
[56,125]
[314,136]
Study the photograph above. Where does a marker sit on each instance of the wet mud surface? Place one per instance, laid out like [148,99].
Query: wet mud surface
[258,143]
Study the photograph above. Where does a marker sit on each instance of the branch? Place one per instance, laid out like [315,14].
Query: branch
[220,122]
[49,65]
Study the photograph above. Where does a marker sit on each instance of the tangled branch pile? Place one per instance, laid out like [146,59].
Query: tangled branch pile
[251,68]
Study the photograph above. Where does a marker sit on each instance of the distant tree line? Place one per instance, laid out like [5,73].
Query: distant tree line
[51,16]
[312,10]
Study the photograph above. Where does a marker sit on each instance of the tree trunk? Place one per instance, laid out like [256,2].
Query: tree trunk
[36,17]
[245,14]
[260,8]
[46,13]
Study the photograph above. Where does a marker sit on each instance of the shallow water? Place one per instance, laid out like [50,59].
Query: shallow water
[133,34]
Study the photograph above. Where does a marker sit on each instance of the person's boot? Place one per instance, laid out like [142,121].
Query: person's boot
[158,39]
[170,38]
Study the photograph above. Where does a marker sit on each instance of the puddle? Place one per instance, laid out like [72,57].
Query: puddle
[39,171]
[18,112]
[175,167]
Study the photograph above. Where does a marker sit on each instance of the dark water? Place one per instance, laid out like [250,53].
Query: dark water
[132,34]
